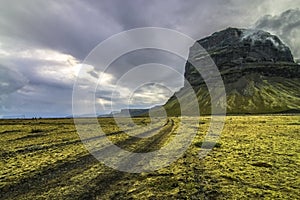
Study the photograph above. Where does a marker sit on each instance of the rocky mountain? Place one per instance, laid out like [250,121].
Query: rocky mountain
[257,68]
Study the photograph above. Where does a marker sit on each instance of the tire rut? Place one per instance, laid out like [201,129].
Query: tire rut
[64,171]
[105,182]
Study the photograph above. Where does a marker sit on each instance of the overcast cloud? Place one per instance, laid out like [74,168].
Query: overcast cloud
[286,25]
[42,44]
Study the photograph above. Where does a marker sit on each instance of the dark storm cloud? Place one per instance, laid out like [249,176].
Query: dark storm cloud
[73,27]
[133,59]
[286,26]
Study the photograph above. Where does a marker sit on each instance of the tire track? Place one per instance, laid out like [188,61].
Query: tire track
[105,182]
[62,171]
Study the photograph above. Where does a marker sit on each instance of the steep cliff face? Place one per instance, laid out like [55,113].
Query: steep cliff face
[258,71]
[237,52]
[237,46]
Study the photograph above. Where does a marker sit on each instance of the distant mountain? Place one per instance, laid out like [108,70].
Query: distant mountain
[257,68]
[127,113]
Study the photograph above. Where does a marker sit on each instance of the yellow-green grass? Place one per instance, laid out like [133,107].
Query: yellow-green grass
[256,157]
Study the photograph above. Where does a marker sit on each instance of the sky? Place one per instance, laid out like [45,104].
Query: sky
[43,45]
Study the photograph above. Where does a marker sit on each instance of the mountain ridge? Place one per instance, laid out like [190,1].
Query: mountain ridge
[257,68]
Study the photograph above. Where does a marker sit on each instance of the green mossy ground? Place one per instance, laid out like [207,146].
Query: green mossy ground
[249,95]
[256,157]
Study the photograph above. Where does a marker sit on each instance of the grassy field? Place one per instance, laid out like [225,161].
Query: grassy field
[256,157]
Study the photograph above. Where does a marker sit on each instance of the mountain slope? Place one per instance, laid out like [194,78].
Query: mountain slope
[258,71]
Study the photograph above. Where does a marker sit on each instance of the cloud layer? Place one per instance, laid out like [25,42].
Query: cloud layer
[42,44]
[286,26]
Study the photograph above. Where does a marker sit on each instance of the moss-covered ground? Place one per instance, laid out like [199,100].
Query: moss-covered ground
[256,157]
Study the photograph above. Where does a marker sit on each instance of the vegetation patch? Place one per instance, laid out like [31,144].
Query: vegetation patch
[256,157]
[36,130]
[207,145]
[261,164]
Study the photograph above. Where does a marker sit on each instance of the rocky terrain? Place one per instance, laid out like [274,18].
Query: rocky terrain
[257,68]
